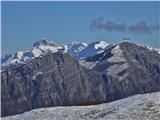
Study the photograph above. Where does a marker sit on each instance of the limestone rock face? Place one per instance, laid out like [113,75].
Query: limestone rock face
[50,80]
[127,69]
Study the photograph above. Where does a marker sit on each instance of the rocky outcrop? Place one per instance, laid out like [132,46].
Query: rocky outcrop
[127,69]
[50,80]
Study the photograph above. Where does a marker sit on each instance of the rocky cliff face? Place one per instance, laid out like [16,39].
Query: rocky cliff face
[50,80]
[127,69]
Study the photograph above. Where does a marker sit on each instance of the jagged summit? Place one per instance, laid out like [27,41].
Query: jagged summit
[83,50]
[43,41]
[100,44]
[39,48]
[76,43]
[78,50]
[76,47]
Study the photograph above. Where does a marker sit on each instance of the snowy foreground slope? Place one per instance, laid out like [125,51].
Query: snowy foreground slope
[138,107]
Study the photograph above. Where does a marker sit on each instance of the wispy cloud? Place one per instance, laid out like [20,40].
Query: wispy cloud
[99,23]
[110,26]
[140,27]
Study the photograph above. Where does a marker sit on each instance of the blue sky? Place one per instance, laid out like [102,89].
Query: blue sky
[23,23]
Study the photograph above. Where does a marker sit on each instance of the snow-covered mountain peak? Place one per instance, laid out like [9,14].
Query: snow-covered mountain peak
[78,43]
[76,47]
[79,50]
[101,44]
[152,49]
[83,50]
[19,55]
[43,42]
[39,48]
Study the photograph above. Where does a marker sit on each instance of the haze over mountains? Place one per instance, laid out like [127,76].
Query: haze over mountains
[77,74]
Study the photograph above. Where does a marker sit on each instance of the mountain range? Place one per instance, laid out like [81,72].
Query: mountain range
[78,50]
[76,74]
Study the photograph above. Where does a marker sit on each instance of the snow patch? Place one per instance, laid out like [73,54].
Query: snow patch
[19,55]
[153,49]
[101,44]
[36,52]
